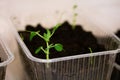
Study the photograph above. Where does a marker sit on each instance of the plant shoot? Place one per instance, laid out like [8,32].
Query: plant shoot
[74,16]
[46,37]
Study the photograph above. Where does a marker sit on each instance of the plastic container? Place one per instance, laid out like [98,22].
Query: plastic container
[6,58]
[78,67]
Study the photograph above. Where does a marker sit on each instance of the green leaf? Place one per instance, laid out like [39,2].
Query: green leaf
[32,34]
[58,47]
[38,50]
[47,35]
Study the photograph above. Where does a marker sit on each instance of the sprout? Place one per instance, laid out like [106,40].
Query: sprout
[91,59]
[74,16]
[46,37]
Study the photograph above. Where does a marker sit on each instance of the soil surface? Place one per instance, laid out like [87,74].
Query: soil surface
[75,41]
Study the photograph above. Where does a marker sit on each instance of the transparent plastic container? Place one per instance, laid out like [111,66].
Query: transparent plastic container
[78,67]
[6,58]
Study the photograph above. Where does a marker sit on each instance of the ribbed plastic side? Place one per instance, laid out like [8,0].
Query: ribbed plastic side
[2,73]
[116,72]
[88,68]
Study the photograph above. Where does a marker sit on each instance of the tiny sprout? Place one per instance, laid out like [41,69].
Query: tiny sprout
[90,50]
[74,16]
[46,37]
[91,59]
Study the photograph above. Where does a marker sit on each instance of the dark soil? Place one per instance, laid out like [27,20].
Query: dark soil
[118,33]
[75,41]
[0,60]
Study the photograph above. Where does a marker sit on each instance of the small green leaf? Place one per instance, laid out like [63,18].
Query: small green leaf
[32,34]
[38,50]
[45,37]
[58,47]
[48,33]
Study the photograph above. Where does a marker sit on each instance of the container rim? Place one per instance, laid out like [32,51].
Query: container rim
[8,53]
[29,55]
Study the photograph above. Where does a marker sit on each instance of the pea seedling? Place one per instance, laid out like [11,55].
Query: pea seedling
[46,37]
[74,16]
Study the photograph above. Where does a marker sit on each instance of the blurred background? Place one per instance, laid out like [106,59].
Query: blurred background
[100,13]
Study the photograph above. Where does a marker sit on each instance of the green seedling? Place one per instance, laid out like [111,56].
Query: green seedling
[46,37]
[91,58]
[74,16]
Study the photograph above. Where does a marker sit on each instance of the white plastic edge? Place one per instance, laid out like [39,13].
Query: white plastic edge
[8,53]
